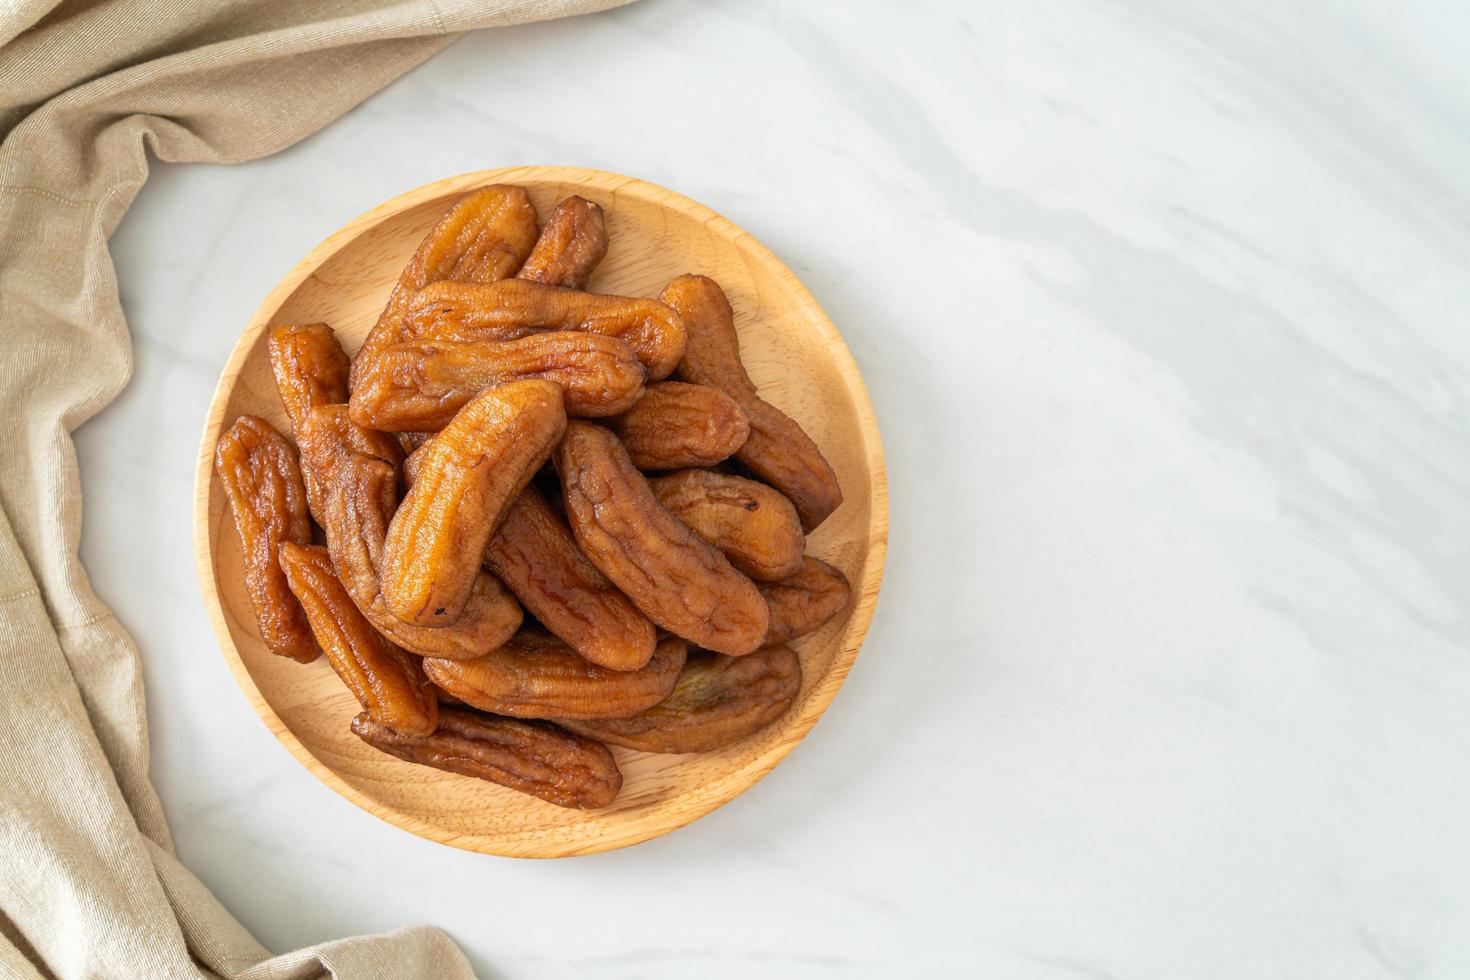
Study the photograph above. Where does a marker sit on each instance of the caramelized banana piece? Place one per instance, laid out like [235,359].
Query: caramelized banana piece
[421,384]
[778,451]
[328,435]
[469,474]
[534,554]
[388,682]
[536,675]
[486,235]
[529,757]
[754,526]
[258,471]
[310,368]
[572,242]
[490,617]
[514,308]
[674,577]
[718,700]
[358,468]
[676,425]
[806,601]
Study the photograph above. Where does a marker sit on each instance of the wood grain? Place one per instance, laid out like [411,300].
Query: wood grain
[793,353]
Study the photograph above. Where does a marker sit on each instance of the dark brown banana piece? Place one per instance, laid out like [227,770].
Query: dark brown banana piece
[536,675]
[754,525]
[419,385]
[676,426]
[674,577]
[718,700]
[469,474]
[358,469]
[806,601]
[310,367]
[515,308]
[484,236]
[261,480]
[388,682]
[572,242]
[534,554]
[777,451]
[530,757]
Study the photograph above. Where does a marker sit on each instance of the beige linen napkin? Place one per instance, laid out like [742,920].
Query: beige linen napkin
[89,885]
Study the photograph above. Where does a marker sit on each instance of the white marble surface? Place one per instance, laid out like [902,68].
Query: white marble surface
[1164,311]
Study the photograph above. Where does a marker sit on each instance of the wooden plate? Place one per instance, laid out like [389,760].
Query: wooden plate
[792,351]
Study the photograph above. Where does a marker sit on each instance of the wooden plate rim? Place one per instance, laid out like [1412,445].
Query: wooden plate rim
[866,590]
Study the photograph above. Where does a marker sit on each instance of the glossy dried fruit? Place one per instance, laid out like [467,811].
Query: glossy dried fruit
[718,700]
[754,525]
[469,474]
[310,367]
[534,554]
[357,468]
[778,451]
[328,435]
[388,682]
[421,384]
[514,308]
[529,757]
[536,675]
[490,617]
[572,242]
[674,577]
[486,235]
[677,425]
[804,602]
[260,478]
